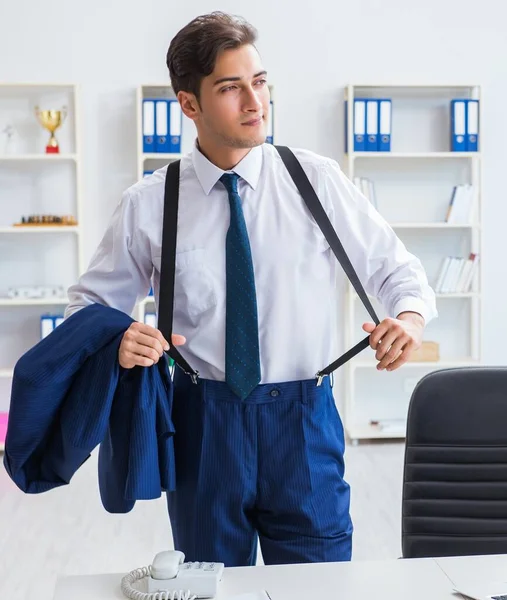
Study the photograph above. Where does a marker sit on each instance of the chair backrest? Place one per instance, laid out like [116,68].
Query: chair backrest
[455,473]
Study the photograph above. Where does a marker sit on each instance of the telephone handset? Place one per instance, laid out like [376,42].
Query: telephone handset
[165,565]
[170,578]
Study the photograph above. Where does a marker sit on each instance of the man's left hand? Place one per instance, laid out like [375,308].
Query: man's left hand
[395,339]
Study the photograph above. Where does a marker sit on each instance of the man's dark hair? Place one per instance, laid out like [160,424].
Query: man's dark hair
[193,51]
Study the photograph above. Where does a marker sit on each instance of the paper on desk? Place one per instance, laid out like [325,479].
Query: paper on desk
[483,591]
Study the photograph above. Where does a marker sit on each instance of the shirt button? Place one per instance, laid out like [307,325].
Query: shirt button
[274,393]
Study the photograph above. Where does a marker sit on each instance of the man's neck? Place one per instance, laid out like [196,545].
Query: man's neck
[224,158]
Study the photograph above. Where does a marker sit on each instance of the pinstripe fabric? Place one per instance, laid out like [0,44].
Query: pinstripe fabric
[268,466]
[69,395]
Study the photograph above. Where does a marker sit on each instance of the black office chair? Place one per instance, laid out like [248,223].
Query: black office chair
[455,472]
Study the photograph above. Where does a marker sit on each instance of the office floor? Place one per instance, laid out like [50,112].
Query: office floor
[66,531]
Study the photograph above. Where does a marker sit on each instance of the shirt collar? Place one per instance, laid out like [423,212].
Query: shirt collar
[249,168]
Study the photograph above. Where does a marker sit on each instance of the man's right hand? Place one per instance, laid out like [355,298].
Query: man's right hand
[143,345]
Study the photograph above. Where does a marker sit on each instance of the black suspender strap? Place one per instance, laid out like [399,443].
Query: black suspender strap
[168,260]
[319,214]
[168,265]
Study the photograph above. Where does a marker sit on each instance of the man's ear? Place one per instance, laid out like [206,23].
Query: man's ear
[189,105]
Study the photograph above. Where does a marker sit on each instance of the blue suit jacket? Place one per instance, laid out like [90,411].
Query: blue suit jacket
[70,394]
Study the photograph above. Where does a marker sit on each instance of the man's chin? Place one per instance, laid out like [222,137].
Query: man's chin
[243,142]
[250,142]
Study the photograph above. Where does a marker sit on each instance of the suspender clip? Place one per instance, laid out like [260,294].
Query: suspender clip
[194,377]
[320,378]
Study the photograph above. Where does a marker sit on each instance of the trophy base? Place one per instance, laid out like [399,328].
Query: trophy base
[52,150]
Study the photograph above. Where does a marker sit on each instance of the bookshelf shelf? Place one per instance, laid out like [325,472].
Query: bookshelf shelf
[46,158]
[414,155]
[147,300]
[34,302]
[450,296]
[429,365]
[370,432]
[160,156]
[434,226]
[39,229]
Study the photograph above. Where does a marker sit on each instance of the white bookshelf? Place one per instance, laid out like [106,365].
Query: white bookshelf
[33,182]
[413,185]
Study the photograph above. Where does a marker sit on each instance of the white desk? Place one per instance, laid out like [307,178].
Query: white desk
[416,579]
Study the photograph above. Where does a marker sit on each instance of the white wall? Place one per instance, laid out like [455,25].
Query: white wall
[311,52]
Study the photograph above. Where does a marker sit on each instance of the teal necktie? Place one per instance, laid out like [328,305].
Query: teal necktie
[242,362]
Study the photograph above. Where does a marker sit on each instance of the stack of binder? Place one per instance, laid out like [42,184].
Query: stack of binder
[48,323]
[462,206]
[372,122]
[464,125]
[162,125]
[457,274]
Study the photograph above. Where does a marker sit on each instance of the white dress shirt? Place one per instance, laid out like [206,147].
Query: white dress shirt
[295,270]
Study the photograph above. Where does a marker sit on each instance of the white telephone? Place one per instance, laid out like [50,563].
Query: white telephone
[170,578]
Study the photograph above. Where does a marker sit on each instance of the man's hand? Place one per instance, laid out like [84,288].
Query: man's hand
[395,339]
[143,345]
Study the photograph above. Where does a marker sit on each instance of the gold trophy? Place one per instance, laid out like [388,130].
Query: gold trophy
[51,120]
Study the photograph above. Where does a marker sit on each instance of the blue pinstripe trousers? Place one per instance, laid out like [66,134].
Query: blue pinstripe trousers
[269,466]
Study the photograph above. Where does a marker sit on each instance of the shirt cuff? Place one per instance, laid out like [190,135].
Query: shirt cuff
[416,305]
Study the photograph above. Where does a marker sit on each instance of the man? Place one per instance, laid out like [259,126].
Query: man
[259,446]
